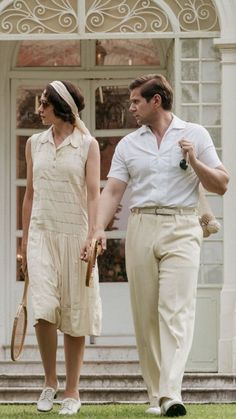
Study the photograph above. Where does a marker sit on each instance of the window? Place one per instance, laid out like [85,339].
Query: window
[127,52]
[201,103]
[49,54]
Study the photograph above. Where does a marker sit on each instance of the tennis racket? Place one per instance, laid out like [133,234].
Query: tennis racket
[20,325]
[95,250]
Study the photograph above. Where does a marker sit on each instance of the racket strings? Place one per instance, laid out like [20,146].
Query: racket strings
[20,329]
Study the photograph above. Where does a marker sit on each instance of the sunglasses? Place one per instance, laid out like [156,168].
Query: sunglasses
[44,103]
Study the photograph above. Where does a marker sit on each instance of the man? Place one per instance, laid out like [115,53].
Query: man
[163,234]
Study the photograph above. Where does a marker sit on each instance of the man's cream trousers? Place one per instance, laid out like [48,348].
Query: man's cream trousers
[162,260]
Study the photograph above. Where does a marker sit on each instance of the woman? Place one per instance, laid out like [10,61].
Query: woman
[63,172]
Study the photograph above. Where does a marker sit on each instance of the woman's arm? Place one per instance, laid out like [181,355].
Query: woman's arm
[27,203]
[93,184]
[92,177]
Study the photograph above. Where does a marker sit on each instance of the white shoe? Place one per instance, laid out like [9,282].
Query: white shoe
[172,408]
[154,410]
[70,406]
[45,401]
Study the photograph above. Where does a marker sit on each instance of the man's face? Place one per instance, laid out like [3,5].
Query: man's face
[142,110]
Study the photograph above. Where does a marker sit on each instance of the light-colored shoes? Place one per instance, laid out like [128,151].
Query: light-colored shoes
[154,410]
[70,406]
[45,401]
[173,408]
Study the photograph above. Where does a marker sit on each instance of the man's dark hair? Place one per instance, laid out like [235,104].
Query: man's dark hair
[153,84]
[61,109]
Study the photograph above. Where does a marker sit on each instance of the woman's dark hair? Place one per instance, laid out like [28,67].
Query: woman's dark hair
[61,109]
[153,84]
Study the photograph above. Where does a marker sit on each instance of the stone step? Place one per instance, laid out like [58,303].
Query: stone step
[89,380]
[110,374]
[86,394]
[209,380]
[119,395]
[209,395]
[118,387]
[95,367]
[204,381]
[92,352]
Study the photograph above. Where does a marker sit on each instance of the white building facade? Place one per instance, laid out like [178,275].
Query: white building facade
[101,45]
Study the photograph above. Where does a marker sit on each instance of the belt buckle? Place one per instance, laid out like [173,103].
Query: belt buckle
[156,210]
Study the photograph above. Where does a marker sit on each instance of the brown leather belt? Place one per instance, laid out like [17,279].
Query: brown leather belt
[164,210]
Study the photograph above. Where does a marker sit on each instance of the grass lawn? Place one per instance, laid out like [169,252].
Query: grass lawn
[205,411]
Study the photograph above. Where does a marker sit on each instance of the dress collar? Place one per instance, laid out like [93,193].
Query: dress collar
[74,138]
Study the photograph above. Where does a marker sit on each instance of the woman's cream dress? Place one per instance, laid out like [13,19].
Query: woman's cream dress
[58,228]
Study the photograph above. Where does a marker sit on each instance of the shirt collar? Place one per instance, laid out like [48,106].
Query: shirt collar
[73,139]
[46,136]
[176,123]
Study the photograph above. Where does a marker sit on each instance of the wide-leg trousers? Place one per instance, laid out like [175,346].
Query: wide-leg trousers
[162,261]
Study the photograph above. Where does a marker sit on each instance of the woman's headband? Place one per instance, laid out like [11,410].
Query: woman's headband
[66,96]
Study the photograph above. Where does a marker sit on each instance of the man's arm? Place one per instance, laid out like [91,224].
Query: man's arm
[213,179]
[108,203]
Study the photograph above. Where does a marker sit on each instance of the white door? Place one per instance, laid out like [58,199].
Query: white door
[111,120]
[107,116]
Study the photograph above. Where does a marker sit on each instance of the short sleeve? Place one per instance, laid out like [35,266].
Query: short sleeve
[207,152]
[118,168]
[204,145]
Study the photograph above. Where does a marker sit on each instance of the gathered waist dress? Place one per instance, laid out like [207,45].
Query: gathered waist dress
[57,231]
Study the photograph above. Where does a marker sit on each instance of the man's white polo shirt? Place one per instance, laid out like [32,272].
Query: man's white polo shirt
[153,173]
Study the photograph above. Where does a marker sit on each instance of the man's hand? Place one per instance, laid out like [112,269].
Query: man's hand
[188,150]
[84,254]
[100,236]
[213,179]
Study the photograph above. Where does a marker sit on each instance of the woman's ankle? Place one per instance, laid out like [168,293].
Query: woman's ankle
[71,394]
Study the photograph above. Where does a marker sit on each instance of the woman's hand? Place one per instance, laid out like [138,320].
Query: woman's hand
[24,256]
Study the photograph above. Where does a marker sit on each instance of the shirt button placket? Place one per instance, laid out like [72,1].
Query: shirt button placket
[55,159]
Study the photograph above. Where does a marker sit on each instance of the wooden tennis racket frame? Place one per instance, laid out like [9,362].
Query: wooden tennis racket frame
[22,306]
[95,250]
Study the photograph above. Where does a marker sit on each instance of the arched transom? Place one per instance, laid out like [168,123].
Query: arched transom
[85,18]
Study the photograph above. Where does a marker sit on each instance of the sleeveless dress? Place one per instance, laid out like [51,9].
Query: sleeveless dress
[57,231]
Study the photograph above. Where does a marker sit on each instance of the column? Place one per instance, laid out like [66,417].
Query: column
[227,340]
